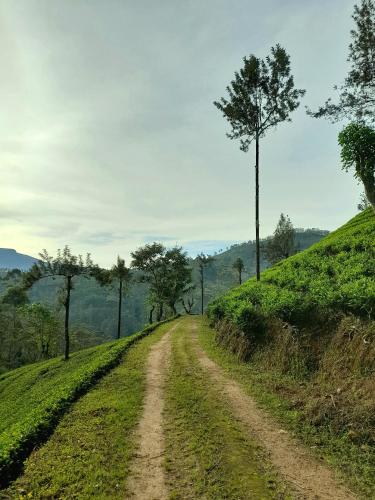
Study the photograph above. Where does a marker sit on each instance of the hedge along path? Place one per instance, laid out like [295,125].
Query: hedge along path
[147,474]
[310,478]
[90,451]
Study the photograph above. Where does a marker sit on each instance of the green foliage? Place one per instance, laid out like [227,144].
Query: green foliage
[35,396]
[357,94]
[166,271]
[28,333]
[64,264]
[120,275]
[15,296]
[357,143]
[261,96]
[203,262]
[336,274]
[93,311]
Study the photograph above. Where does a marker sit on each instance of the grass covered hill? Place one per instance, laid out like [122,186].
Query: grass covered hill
[34,397]
[336,274]
[220,275]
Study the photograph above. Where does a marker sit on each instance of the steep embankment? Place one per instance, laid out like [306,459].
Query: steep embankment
[334,275]
[308,329]
[34,397]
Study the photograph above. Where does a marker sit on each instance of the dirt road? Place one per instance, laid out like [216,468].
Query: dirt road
[305,476]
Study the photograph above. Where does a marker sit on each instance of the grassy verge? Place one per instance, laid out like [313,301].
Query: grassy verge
[34,397]
[88,454]
[276,393]
[207,454]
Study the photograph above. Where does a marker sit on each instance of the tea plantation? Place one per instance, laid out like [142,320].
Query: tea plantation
[336,275]
[34,397]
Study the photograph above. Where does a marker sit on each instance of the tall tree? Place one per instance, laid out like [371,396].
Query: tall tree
[177,276]
[204,261]
[261,96]
[120,275]
[166,271]
[357,142]
[239,266]
[282,244]
[357,93]
[68,267]
[148,259]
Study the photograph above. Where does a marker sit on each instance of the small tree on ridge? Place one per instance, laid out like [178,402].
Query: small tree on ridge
[282,244]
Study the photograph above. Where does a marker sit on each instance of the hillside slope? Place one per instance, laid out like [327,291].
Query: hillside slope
[335,275]
[306,333]
[35,396]
[220,276]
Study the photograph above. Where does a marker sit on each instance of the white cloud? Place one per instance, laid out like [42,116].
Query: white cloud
[108,133]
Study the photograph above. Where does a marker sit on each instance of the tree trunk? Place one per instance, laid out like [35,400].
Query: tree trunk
[67,310]
[240,276]
[151,315]
[160,312]
[257,243]
[184,306]
[202,291]
[369,185]
[119,310]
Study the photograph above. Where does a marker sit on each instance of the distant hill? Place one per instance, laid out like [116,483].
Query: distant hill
[96,308]
[10,259]
[220,276]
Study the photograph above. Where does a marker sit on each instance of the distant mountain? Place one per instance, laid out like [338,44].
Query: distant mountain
[10,259]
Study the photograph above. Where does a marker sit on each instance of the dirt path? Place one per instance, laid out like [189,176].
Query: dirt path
[311,479]
[147,477]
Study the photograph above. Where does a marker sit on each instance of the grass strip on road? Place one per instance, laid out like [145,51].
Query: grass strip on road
[89,452]
[207,454]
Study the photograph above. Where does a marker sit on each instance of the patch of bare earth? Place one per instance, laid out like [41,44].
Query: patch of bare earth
[147,477]
[311,479]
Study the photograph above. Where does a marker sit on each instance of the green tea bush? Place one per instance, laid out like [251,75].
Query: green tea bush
[34,397]
[334,276]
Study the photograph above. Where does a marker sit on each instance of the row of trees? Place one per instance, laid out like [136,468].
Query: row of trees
[29,332]
[167,273]
[262,95]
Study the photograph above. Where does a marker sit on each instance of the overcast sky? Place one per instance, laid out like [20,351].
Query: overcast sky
[109,138]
